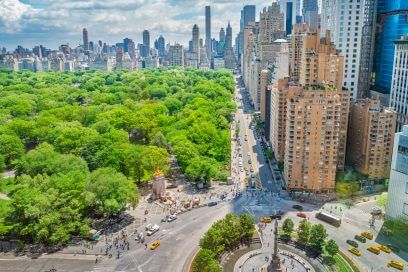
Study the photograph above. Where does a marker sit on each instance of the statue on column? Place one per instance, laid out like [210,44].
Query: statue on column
[275,264]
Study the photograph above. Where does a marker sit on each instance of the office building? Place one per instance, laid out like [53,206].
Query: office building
[146,43]
[161,46]
[392,24]
[222,35]
[195,43]
[288,8]
[247,15]
[399,86]
[352,27]
[208,43]
[271,24]
[397,202]
[229,56]
[85,39]
[370,138]
[119,58]
[176,55]
[310,13]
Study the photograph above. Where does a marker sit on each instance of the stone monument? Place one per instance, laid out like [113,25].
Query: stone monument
[275,264]
[159,185]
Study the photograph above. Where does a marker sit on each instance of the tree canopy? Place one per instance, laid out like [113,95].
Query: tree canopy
[82,142]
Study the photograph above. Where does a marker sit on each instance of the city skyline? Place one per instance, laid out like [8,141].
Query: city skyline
[52,23]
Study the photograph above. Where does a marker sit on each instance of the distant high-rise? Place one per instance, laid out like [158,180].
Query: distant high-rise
[247,15]
[393,24]
[195,42]
[228,36]
[176,55]
[146,43]
[310,13]
[288,17]
[399,83]
[161,46]
[85,38]
[222,35]
[229,56]
[126,44]
[208,44]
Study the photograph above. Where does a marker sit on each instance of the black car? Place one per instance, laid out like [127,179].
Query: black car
[276,216]
[297,207]
[360,238]
[393,248]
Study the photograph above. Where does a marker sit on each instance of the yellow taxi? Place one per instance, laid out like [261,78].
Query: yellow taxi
[395,264]
[374,249]
[355,251]
[266,220]
[246,168]
[155,245]
[385,249]
[367,235]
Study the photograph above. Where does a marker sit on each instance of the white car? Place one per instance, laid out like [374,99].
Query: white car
[249,154]
[171,218]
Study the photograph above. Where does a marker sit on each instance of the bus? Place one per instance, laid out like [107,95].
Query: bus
[328,218]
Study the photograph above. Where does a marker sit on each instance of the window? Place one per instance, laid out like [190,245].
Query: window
[406,188]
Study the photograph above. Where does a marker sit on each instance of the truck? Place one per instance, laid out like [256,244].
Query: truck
[328,218]
[152,230]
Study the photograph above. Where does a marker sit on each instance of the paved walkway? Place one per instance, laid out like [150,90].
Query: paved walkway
[258,260]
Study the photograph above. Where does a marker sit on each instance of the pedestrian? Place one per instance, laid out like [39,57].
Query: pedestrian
[145,246]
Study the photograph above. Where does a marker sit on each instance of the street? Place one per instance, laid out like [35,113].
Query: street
[179,239]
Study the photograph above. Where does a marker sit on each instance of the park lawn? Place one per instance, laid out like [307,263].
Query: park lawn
[342,264]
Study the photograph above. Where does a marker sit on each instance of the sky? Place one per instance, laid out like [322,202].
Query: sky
[55,22]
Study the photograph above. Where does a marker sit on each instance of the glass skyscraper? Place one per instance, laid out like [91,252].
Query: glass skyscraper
[392,24]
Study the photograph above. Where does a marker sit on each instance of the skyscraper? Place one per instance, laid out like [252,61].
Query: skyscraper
[393,24]
[397,202]
[195,42]
[229,56]
[353,35]
[399,83]
[310,13]
[222,35]
[288,17]
[161,46]
[247,15]
[146,43]
[85,39]
[208,30]
[228,36]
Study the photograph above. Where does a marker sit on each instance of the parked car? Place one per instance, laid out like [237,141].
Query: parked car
[155,245]
[153,230]
[301,214]
[297,207]
[352,243]
[360,238]
[355,251]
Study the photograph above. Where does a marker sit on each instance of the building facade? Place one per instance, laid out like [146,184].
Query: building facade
[208,44]
[392,24]
[397,203]
[370,138]
[176,55]
[399,86]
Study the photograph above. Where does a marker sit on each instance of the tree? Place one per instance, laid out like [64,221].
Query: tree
[382,200]
[332,248]
[109,191]
[212,241]
[317,236]
[159,140]
[247,225]
[304,231]
[11,148]
[288,226]
[205,262]
[202,168]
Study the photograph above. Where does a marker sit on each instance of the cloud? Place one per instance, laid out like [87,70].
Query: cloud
[54,22]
